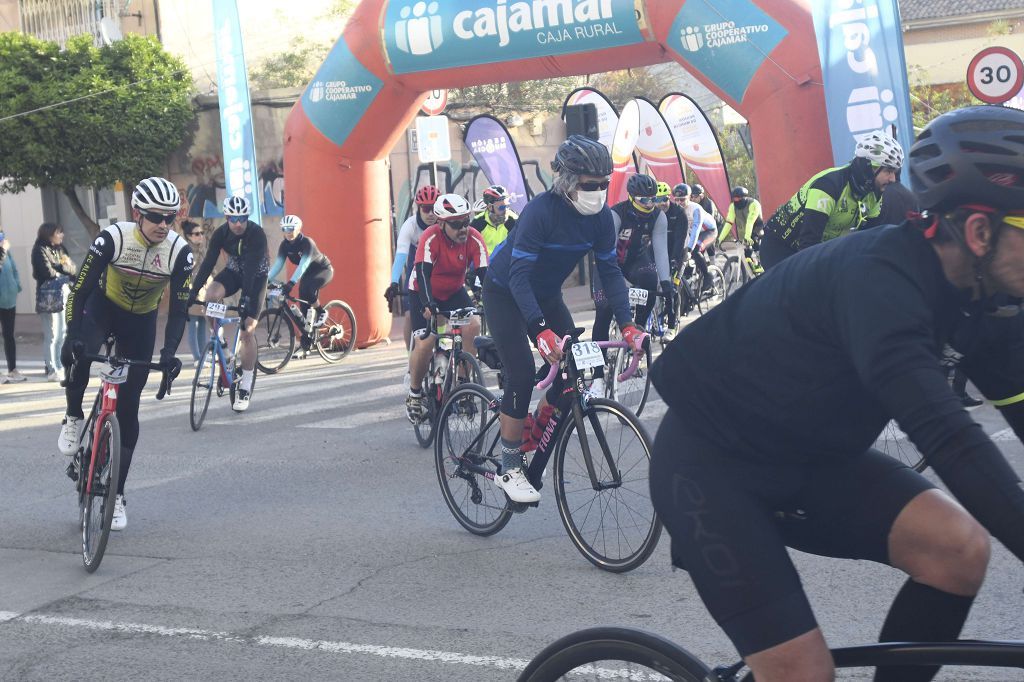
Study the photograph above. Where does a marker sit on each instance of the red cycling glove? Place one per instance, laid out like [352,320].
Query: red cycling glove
[547,342]
[634,337]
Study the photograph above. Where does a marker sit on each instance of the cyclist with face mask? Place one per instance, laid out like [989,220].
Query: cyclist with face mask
[523,291]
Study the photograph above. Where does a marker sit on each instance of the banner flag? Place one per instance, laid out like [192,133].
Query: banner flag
[697,144]
[864,71]
[656,147]
[493,149]
[241,176]
[607,116]
[623,144]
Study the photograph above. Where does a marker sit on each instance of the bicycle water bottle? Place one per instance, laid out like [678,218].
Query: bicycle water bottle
[310,318]
[296,309]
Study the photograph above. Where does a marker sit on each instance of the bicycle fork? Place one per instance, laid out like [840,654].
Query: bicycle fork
[107,406]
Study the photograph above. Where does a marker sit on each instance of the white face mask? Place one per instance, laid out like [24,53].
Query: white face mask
[589,203]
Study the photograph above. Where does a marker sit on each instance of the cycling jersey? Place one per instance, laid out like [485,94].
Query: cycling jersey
[711,209]
[247,262]
[826,207]
[408,239]
[445,262]
[701,225]
[493,234]
[677,229]
[303,252]
[748,217]
[641,239]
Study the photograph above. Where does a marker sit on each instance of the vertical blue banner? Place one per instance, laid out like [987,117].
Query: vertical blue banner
[493,149]
[864,70]
[241,176]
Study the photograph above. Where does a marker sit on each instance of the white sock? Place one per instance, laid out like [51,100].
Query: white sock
[247,377]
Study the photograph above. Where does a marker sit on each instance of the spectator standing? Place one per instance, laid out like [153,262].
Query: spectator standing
[196,325]
[53,272]
[10,285]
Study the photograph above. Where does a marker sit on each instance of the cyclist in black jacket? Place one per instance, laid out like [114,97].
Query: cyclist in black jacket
[752,458]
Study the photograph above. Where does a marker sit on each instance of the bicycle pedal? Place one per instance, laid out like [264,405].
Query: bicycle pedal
[520,507]
[72,472]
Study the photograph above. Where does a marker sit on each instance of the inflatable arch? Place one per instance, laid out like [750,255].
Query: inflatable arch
[759,56]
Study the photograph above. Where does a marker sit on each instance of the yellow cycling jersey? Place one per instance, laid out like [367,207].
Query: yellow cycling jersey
[492,234]
[138,272]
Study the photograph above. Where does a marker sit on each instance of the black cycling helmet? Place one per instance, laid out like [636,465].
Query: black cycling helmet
[682,190]
[582,156]
[640,185]
[696,190]
[973,155]
[740,192]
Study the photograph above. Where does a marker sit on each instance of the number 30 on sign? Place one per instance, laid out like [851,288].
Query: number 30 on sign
[995,75]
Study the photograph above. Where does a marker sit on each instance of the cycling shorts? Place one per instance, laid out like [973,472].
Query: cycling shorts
[460,299]
[253,300]
[732,519]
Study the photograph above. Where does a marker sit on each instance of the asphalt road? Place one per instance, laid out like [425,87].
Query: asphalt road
[307,539]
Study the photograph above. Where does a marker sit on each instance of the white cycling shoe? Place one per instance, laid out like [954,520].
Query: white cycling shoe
[518,488]
[241,401]
[120,520]
[70,431]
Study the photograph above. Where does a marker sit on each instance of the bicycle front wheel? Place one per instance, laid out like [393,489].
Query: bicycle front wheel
[336,337]
[275,341]
[713,289]
[464,455]
[893,442]
[614,653]
[431,389]
[97,509]
[609,518]
[631,393]
[202,387]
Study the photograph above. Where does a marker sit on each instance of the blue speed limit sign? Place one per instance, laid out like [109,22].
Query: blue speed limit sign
[995,75]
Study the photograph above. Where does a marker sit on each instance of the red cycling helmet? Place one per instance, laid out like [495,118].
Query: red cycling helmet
[427,195]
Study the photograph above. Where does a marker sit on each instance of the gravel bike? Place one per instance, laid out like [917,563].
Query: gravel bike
[601,461]
[331,329]
[217,368]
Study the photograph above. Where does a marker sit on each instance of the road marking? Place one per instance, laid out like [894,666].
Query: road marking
[7,615]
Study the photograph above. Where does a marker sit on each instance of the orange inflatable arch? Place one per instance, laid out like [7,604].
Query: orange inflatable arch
[760,57]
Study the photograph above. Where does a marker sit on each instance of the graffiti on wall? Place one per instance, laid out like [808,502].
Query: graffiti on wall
[205,194]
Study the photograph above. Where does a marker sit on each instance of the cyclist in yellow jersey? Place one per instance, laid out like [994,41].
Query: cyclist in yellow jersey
[124,274]
[496,220]
[744,215]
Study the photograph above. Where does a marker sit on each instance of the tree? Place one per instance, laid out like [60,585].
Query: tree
[87,116]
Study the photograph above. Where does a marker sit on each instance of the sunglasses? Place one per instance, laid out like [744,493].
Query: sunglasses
[238,218]
[501,208]
[457,224]
[645,201]
[661,200]
[157,218]
[289,230]
[592,186]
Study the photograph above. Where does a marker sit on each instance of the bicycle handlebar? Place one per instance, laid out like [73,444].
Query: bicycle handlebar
[168,374]
[629,371]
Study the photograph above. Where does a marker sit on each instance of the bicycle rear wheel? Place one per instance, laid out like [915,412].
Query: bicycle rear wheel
[713,289]
[97,506]
[731,275]
[893,442]
[467,436]
[336,337]
[633,392]
[275,341]
[614,526]
[614,653]
[432,388]
[202,387]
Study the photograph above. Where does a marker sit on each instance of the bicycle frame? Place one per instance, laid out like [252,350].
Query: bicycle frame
[456,320]
[107,400]
[218,347]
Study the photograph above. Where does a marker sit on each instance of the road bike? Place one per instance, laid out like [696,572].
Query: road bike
[893,442]
[601,457]
[629,654]
[698,289]
[449,365]
[738,272]
[633,390]
[331,329]
[96,465]
[217,368]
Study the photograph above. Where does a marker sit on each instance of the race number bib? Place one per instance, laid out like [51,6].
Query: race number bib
[114,375]
[217,310]
[587,354]
[637,296]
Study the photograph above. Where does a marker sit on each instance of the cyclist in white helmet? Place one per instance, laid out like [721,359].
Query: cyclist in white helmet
[313,269]
[245,244]
[118,289]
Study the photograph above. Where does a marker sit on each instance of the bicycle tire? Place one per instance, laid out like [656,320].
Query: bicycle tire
[477,504]
[707,301]
[889,442]
[632,494]
[634,391]
[201,391]
[336,337]
[731,275]
[275,341]
[578,652]
[431,399]
[99,505]
[474,374]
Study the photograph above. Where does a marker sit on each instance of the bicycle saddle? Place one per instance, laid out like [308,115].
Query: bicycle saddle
[487,352]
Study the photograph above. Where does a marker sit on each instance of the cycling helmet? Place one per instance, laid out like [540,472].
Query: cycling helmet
[494,194]
[427,195]
[664,190]
[582,156]
[880,149]
[291,223]
[156,194]
[973,155]
[740,192]
[236,206]
[479,205]
[641,186]
[450,206]
[682,190]
[696,190]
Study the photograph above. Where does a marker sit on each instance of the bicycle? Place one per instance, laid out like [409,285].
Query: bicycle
[217,368]
[96,465]
[449,365]
[602,652]
[893,442]
[332,329]
[591,490]
[632,392]
[705,291]
[737,274]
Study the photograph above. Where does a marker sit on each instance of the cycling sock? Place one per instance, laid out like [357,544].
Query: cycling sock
[245,383]
[415,392]
[511,455]
[921,614]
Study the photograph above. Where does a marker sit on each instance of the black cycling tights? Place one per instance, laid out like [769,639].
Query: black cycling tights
[136,337]
[640,278]
[311,283]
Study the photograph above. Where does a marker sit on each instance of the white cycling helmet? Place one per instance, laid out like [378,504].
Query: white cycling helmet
[156,194]
[450,206]
[291,223]
[880,149]
[236,206]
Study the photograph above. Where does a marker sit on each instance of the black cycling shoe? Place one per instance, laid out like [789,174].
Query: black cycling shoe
[969,401]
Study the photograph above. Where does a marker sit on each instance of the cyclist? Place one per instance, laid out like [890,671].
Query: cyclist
[313,270]
[495,221]
[405,252]
[523,290]
[448,251]
[118,290]
[245,244]
[744,212]
[700,231]
[642,253]
[750,458]
[676,240]
[835,201]
[699,196]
